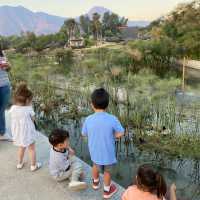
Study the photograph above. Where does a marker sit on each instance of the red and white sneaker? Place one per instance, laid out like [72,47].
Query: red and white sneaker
[95,185]
[113,190]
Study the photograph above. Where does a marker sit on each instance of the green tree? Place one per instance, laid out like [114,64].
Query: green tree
[22,46]
[4,42]
[70,28]
[112,23]
[42,42]
[85,24]
[31,39]
[96,26]
[182,26]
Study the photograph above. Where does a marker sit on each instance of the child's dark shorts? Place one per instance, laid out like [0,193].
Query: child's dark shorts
[103,168]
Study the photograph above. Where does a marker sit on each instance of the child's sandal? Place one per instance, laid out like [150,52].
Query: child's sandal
[36,167]
[20,165]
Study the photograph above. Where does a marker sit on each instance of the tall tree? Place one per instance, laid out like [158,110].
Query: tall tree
[85,24]
[31,38]
[96,26]
[112,23]
[70,28]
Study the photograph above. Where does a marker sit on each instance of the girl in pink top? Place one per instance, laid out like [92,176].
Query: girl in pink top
[150,185]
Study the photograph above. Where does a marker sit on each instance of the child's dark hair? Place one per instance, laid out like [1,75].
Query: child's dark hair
[22,94]
[151,180]
[100,98]
[58,136]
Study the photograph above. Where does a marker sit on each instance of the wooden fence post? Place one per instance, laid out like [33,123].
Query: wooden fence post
[183,75]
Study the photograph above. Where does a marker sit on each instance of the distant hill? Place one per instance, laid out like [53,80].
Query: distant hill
[15,20]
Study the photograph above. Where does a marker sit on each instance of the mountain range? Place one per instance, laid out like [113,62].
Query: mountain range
[15,20]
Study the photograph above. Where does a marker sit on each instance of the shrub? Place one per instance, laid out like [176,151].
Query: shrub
[64,56]
[89,42]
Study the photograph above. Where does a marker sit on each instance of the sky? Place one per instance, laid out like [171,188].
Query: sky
[132,9]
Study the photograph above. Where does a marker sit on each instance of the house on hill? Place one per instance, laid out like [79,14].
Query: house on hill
[75,43]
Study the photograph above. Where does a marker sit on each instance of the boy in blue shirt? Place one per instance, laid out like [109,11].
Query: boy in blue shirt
[102,128]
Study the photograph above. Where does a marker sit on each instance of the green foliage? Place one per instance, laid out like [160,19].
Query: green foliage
[182,26]
[4,43]
[38,43]
[85,24]
[90,63]
[22,46]
[41,43]
[111,23]
[96,26]
[157,54]
[70,28]
[60,38]
[89,42]
[64,56]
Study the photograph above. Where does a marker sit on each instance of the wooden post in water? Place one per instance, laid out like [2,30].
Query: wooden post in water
[183,76]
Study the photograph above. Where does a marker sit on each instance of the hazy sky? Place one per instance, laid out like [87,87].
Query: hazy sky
[133,9]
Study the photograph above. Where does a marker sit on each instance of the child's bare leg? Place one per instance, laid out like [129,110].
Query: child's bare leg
[107,178]
[95,172]
[32,154]
[21,152]
[109,189]
[95,177]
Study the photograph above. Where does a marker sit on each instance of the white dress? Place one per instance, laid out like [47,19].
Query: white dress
[22,127]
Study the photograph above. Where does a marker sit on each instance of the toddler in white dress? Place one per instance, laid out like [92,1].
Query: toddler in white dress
[22,126]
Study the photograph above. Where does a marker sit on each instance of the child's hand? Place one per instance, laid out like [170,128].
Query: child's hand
[33,118]
[118,135]
[71,151]
[173,187]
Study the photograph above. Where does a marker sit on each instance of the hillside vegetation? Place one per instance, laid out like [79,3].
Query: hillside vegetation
[182,28]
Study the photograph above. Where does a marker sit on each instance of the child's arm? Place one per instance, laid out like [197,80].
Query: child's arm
[173,192]
[32,116]
[118,129]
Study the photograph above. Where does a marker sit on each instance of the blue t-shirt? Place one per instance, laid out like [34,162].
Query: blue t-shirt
[100,128]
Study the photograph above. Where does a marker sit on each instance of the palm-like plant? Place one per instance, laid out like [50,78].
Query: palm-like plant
[96,26]
[71,28]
